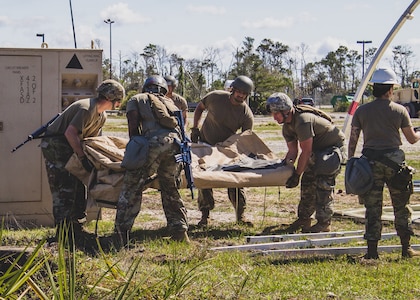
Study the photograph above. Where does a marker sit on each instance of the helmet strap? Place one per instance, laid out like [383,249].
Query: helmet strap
[285,116]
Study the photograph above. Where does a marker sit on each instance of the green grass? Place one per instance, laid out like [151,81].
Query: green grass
[167,270]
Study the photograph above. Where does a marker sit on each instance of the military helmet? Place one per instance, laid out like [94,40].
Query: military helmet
[155,84]
[171,80]
[279,102]
[384,76]
[243,84]
[228,85]
[111,90]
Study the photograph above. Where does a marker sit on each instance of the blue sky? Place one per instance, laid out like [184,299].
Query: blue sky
[189,27]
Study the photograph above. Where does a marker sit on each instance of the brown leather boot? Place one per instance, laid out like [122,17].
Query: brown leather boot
[300,223]
[204,218]
[407,251]
[372,251]
[319,227]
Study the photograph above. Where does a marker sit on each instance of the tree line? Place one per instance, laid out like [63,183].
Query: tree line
[273,66]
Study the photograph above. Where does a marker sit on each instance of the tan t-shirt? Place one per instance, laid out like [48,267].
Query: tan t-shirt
[81,114]
[380,121]
[223,118]
[179,101]
[307,125]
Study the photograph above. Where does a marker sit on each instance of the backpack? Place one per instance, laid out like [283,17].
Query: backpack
[303,108]
[163,111]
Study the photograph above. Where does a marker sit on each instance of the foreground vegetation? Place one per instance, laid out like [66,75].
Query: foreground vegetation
[157,268]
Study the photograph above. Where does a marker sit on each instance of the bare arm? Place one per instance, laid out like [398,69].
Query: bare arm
[305,155]
[72,137]
[411,136]
[197,114]
[292,152]
[354,137]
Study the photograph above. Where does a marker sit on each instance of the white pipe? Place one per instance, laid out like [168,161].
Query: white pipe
[333,251]
[301,244]
[286,237]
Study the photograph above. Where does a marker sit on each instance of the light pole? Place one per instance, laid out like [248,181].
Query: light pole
[41,35]
[110,22]
[363,55]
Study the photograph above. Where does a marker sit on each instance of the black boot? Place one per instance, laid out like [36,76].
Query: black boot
[240,219]
[372,251]
[300,223]
[204,218]
[121,238]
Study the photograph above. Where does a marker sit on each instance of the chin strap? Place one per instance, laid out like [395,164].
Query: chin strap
[285,115]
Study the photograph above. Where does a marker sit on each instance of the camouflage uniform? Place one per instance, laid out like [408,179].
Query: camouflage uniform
[68,192]
[317,183]
[317,195]
[160,160]
[236,196]
[373,200]
[222,121]
[382,137]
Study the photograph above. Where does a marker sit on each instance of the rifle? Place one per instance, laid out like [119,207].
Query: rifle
[185,156]
[37,133]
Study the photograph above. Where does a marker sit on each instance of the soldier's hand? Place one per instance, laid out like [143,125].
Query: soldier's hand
[293,180]
[87,164]
[195,134]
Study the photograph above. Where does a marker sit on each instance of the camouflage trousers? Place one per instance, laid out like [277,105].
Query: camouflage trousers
[68,192]
[373,201]
[236,197]
[162,162]
[316,196]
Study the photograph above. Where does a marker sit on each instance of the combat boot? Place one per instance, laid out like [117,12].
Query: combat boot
[240,219]
[300,223]
[407,251]
[180,236]
[372,250]
[204,218]
[319,227]
[244,222]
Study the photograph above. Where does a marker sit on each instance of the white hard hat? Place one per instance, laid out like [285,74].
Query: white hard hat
[384,76]
[228,84]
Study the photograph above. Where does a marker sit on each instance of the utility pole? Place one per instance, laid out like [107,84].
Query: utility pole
[363,54]
[41,35]
[110,22]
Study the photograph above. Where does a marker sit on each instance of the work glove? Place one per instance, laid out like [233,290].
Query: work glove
[195,134]
[87,165]
[293,180]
